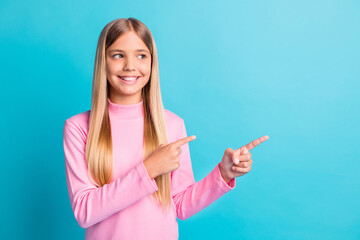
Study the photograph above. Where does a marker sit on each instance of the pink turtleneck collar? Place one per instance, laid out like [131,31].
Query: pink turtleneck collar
[125,112]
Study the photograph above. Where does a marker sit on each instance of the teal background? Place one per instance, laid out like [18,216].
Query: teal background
[234,71]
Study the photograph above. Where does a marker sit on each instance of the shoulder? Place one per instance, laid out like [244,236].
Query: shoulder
[80,119]
[172,118]
[78,123]
[174,125]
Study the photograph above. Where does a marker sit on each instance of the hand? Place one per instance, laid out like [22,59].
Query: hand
[165,158]
[238,162]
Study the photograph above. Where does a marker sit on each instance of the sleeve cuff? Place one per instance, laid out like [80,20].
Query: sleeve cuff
[150,184]
[225,186]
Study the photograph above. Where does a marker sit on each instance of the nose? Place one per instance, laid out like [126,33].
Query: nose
[129,64]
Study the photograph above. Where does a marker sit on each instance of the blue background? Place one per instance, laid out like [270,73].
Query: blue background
[234,71]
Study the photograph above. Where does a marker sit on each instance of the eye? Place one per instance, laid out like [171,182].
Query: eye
[143,56]
[116,55]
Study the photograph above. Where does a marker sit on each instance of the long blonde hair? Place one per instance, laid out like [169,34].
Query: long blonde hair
[99,151]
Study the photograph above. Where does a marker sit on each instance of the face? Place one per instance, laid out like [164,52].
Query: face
[128,68]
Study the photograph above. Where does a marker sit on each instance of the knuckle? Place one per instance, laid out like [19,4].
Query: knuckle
[174,154]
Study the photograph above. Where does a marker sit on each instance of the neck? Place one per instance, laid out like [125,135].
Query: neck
[125,111]
[125,100]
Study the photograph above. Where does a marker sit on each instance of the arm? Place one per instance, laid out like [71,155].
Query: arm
[89,203]
[190,197]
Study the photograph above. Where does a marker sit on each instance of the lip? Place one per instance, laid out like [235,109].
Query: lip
[129,83]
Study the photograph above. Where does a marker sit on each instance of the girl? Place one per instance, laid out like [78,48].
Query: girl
[127,160]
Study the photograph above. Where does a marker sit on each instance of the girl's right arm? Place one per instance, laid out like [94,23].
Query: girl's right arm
[89,203]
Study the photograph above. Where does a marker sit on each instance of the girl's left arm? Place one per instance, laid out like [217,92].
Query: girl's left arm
[189,196]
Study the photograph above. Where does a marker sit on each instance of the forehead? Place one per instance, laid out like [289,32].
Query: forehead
[128,42]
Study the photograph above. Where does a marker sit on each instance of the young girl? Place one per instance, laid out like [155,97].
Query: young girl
[127,160]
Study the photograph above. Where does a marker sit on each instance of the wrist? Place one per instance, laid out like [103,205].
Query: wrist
[149,170]
[222,172]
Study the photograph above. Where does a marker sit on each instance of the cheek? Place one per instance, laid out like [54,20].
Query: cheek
[146,68]
[148,71]
[110,68]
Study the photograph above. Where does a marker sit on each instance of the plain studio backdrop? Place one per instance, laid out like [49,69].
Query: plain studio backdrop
[234,71]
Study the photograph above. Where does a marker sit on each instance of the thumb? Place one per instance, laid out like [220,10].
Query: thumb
[236,154]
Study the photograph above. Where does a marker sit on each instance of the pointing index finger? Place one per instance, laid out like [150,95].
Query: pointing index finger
[183,141]
[254,143]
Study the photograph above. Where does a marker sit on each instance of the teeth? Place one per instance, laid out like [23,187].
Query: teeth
[129,78]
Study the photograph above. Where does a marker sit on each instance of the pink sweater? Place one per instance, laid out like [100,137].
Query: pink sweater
[125,208]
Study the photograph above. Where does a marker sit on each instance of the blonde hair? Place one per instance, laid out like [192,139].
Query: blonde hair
[99,152]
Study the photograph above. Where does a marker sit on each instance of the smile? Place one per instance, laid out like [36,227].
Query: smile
[128,79]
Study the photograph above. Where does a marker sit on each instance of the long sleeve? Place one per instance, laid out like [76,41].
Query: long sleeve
[89,203]
[190,197]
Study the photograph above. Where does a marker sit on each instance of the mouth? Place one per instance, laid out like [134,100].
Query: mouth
[129,78]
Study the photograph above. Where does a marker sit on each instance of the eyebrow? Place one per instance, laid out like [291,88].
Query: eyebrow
[137,50]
